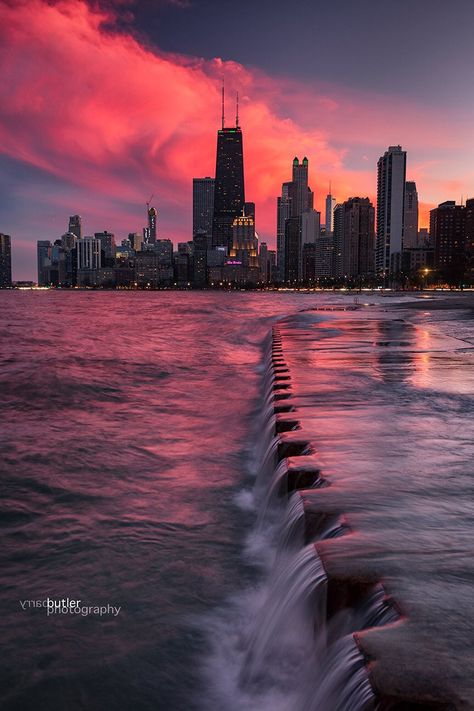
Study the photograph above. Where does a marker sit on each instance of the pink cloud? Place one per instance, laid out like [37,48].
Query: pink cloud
[115,119]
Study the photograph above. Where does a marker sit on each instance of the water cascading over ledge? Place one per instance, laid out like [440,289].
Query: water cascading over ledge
[321,513]
[296,642]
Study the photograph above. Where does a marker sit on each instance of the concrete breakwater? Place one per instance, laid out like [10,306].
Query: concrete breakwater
[367,426]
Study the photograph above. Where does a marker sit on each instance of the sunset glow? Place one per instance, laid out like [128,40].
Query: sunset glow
[93,121]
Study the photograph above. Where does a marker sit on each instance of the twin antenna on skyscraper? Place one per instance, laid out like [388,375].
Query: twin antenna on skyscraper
[236,107]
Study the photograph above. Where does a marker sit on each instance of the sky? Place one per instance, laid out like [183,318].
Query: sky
[106,102]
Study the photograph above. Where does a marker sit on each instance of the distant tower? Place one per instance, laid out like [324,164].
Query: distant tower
[296,199]
[283,214]
[356,237]
[448,233]
[229,192]
[410,226]
[152,224]
[75,226]
[203,207]
[391,170]
[301,194]
[330,205]
[5,261]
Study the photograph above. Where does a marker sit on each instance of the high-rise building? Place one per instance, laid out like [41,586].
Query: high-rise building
[43,252]
[136,241]
[203,206]
[107,244]
[292,250]
[229,191]
[152,225]
[410,222]
[338,226]
[164,250]
[324,256]
[283,214]
[448,233]
[302,196]
[310,231]
[200,240]
[264,262]
[391,171]
[356,237]
[75,226]
[88,254]
[5,261]
[469,246]
[296,199]
[244,242]
[330,205]
[308,262]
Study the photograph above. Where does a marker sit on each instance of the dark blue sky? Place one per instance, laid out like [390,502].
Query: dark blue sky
[415,48]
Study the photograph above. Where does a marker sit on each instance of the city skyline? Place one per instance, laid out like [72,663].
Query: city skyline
[65,151]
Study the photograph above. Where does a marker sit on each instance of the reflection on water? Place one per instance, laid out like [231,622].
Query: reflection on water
[129,425]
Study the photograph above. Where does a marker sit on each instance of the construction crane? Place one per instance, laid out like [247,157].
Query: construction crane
[149,201]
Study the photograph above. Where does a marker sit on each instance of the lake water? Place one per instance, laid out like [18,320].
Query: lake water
[130,432]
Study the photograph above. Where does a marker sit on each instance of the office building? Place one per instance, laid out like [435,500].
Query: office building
[5,261]
[292,250]
[448,234]
[229,190]
[200,240]
[75,226]
[355,237]
[88,254]
[391,172]
[410,222]
[43,258]
[151,234]
[107,245]
[203,206]
[244,242]
[283,214]
[330,205]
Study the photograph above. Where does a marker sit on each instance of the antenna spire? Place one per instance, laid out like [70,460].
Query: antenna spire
[222,102]
[237,111]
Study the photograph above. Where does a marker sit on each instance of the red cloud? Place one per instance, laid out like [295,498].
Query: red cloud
[110,117]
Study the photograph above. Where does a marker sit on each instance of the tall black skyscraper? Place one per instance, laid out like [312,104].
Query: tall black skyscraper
[229,193]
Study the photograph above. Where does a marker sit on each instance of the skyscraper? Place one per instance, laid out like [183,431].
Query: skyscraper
[283,214]
[292,250]
[75,225]
[391,171]
[310,232]
[43,251]
[301,195]
[244,242]
[448,232]
[229,191]
[88,254]
[203,206]
[410,227]
[5,261]
[107,244]
[330,205]
[200,240]
[296,199]
[469,232]
[152,224]
[356,237]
